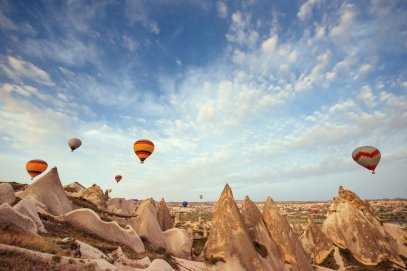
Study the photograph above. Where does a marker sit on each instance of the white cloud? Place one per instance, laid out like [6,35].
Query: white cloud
[222,9]
[6,23]
[25,90]
[18,70]
[306,9]
[130,43]
[241,30]
[342,32]
[270,44]
[367,96]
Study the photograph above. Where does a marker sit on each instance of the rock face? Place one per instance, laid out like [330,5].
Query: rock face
[74,187]
[146,224]
[9,215]
[315,243]
[163,215]
[28,207]
[88,220]
[179,243]
[48,190]
[351,224]
[93,194]
[228,237]
[287,241]
[259,234]
[157,265]
[121,206]
[6,193]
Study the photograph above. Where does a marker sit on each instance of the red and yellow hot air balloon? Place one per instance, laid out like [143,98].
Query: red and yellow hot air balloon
[36,167]
[143,149]
[118,178]
[367,156]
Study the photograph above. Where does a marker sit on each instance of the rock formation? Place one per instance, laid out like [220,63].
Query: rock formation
[179,243]
[88,220]
[6,193]
[93,194]
[258,233]
[48,190]
[146,224]
[163,215]
[119,257]
[10,216]
[351,224]
[74,187]
[315,243]
[121,206]
[28,207]
[287,241]
[228,238]
[157,265]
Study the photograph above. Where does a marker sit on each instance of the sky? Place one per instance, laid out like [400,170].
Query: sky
[271,97]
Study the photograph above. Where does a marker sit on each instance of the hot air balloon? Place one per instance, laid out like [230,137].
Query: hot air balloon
[200,196]
[185,204]
[118,178]
[367,157]
[36,167]
[143,149]
[74,143]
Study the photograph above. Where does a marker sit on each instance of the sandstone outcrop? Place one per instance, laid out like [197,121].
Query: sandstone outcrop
[6,193]
[163,215]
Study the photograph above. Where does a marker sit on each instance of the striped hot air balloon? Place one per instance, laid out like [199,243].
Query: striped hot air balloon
[143,149]
[367,156]
[36,167]
[118,178]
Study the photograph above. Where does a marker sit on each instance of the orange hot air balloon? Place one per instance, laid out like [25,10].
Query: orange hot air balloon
[118,178]
[367,156]
[36,167]
[143,149]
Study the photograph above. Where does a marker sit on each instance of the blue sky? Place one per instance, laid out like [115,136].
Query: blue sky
[269,96]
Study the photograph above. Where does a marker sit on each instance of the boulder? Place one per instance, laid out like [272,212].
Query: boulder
[10,216]
[179,243]
[6,193]
[28,207]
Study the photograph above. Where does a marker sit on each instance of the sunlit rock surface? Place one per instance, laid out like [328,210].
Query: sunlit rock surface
[163,215]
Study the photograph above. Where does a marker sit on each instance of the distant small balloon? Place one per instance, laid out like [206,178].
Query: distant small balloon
[200,196]
[118,178]
[74,143]
[36,167]
[367,156]
[315,208]
[185,204]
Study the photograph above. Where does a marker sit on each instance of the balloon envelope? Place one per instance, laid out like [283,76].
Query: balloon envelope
[143,149]
[74,143]
[315,208]
[118,178]
[200,196]
[36,167]
[367,156]
[185,204]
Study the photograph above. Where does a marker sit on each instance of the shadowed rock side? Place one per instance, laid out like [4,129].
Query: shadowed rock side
[163,215]
[258,233]
[28,207]
[315,243]
[93,194]
[146,224]
[228,238]
[6,193]
[88,220]
[280,230]
[49,191]
[351,224]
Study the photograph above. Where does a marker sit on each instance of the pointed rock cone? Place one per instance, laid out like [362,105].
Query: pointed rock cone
[282,233]
[258,233]
[48,190]
[228,238]
[163,216]
[351,224]
[146,224]
[315,243]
